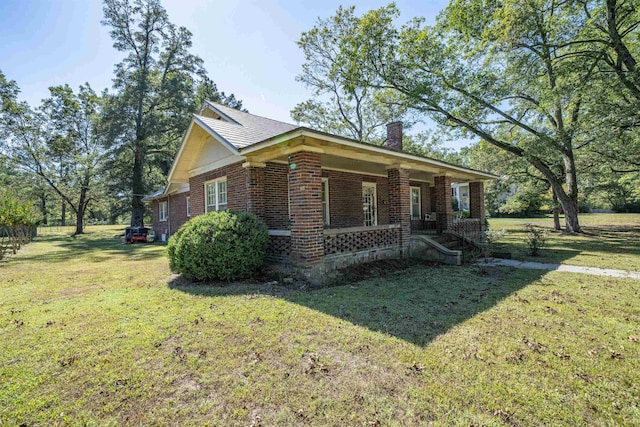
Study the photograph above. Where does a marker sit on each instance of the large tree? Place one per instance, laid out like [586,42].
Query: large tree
[154,94]
[504,71]
[342,104]
[56,143]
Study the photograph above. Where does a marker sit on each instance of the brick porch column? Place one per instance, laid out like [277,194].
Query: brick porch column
[400,205]
[255,188]
[444,209]
[476,202]
[305,207]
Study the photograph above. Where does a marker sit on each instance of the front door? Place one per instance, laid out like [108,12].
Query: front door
[369,204]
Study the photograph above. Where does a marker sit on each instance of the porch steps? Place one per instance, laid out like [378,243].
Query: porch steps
[426,247]
[454,243]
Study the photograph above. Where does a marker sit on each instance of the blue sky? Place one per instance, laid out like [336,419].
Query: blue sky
[248,47]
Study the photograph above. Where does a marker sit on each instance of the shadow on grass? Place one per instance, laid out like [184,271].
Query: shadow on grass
[415,304]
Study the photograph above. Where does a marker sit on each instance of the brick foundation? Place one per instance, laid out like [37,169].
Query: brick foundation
[352,241]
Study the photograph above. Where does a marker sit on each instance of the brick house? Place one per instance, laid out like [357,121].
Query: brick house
[328,201]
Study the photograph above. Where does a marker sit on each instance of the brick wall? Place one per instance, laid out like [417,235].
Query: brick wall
[177,214]
[255,191]
[305,187]
[236,187]
[443,203]
[476,202]
[345,198]
[400,204]
[432,198]
[394,136]
[276,192]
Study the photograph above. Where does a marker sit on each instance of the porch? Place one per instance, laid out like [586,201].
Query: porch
[330,202]
[321,216]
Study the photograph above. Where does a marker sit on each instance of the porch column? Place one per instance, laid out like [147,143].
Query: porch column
[305,207]
[444,209]
[400,204]
[255,188]
[476,202]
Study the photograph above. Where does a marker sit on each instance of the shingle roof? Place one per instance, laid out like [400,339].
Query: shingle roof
[247,129]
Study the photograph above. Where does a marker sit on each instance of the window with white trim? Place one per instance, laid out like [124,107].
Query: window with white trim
[163,211]
[369,204]
[416,211]
[325,201]
[215,195]
[188,206]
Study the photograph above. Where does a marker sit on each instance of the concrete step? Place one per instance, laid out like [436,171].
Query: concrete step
[452,244]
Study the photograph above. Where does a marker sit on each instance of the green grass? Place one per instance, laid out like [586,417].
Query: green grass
[608,241]
[99,333]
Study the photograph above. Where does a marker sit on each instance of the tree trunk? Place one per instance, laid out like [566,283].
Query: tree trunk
[63,218]
[569,204]
[137,205]
[556,213]
[43,207]
[82,205]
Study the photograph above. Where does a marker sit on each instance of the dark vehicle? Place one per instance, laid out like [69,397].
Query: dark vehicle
[136,234]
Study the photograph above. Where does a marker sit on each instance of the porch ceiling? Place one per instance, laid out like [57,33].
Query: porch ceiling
[365,160]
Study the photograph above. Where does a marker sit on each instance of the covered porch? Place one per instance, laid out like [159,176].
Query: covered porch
[349,202]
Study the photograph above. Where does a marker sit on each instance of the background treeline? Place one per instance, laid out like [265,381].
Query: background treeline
[83,157]
[550,88]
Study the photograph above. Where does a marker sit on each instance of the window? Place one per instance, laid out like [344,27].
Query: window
[188,206]
[416,212]
[215,194]
[369,204]
[164,212]
[325,201]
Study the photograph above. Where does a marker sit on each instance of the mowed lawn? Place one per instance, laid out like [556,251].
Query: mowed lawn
[608,241]
[93,332]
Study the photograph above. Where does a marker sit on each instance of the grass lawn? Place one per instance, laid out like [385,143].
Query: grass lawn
[99,333]
[608,241]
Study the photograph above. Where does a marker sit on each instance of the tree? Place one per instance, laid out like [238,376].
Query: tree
[502,71]
[342,104]
[154,89]
[56,143]
[18,218]
[610,36]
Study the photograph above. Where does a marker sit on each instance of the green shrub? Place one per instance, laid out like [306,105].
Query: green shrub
[223,245]
[536,239]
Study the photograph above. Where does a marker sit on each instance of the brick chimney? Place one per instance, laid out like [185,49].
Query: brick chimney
[394,136]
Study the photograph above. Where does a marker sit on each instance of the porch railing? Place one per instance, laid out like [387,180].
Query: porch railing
[345,240]
[468,227]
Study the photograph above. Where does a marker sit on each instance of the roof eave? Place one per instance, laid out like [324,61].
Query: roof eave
[303,131]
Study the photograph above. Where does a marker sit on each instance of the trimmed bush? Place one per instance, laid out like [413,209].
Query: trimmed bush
[224,245]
